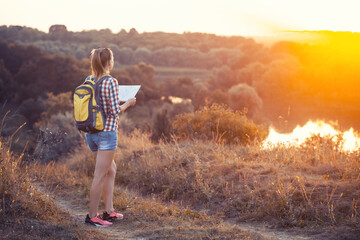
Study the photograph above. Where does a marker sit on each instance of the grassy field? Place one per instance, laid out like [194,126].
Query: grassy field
[189,189]
[50,202]
[314,187]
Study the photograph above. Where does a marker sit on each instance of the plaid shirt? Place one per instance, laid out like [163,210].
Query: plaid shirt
[110,100]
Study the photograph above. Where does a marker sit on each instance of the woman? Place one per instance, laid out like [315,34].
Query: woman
[103,144]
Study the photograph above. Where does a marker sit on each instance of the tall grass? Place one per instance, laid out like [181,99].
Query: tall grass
[27,207]
[16,191]
[201,182]
[148,216]
[315,184]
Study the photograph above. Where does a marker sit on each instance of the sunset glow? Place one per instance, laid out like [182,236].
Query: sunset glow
[229,17]
[351,141]
[247,107]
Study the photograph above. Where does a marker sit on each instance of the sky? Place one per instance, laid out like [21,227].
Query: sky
[222,17]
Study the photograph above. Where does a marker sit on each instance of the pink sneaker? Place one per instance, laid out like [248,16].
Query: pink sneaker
[97,221]
[112,216]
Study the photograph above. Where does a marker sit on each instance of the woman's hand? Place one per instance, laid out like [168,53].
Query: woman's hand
[128,103]
[131,101]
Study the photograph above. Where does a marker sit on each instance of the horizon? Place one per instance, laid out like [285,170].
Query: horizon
[141,32]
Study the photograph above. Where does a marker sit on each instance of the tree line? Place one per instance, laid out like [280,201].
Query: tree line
[197,50]
[283,85]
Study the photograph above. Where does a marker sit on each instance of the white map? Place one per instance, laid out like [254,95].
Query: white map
[128,91]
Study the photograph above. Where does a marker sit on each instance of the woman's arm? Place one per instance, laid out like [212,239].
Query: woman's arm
[113,98]
[126,105]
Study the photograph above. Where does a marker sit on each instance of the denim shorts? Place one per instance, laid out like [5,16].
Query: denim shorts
[101,141]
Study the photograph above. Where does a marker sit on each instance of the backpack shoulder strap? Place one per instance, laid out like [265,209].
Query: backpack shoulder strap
[97,88]
[102,79]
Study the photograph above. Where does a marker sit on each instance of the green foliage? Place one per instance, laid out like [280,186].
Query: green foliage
[219,123]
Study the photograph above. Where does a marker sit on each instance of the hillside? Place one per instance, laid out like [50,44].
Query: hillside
[188,189]
[191,164]
[299,79]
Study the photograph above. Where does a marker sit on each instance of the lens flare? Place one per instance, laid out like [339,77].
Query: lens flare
[351,141]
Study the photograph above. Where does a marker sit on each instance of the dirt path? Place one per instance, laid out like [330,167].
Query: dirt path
[125,229]
[121,229]
[272,234]
[118,230]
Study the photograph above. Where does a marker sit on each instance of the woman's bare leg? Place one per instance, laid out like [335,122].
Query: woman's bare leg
[104,160]
[108,188]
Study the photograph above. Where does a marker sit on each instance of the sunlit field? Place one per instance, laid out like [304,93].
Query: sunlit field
[346,141]
[312,186]
[227,133]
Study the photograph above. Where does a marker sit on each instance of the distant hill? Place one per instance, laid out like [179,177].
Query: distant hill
[187,50]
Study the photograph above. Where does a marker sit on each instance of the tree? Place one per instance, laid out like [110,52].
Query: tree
[182,87]
[244,96]
[52,73]
[6,84]
[57,28]
[15,56]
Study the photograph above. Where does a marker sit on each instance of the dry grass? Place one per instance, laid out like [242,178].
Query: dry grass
[29,210]
[26,212]
[149,216]
[185,190]
[315,185]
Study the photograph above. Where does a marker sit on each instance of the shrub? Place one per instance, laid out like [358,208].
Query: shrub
[219,123]
[53,105]
[58,134]
[58,138]
[162,120]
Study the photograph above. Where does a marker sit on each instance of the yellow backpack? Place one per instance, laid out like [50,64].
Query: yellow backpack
[88,111]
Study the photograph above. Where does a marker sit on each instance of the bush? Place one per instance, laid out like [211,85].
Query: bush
[163,118]
[58,134]
[219,123]
[59,138]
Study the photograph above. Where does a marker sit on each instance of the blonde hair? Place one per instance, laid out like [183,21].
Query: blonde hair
[101,58]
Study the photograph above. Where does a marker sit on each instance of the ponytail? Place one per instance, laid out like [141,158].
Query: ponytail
[99,59]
